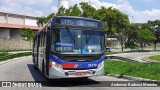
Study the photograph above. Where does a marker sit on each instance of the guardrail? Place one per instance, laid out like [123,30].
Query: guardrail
[14,55]
[120,58]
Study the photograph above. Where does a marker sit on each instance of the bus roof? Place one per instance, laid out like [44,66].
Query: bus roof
[69,17]
[76,17]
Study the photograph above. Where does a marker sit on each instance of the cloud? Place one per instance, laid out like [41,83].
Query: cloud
[45,7]
[30,2]
[138,16]
[19,9]
[125,7]
[54,9]
[144,16]
[31,7]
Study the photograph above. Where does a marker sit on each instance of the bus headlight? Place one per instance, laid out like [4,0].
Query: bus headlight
[56,65]
[101,65]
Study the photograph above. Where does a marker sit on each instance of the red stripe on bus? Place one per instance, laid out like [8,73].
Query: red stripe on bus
[68,65]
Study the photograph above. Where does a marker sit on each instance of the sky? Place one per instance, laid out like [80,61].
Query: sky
[138,11]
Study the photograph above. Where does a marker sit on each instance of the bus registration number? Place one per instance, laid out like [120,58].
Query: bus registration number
[81,73]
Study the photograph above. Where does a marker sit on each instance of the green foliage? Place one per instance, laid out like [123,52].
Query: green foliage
[109,43]
[131,45]
[61,11]
[16,56]
[115,22]
[145,36]
[73,11]
[88,10]
[27,33]
[41,21]
[3,53]
[142,70]
[156,57]
[49,17]
[14,50]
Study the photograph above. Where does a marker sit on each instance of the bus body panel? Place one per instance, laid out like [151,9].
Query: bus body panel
[55,73]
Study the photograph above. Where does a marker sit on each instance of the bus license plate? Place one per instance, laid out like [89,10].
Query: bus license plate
[81,73]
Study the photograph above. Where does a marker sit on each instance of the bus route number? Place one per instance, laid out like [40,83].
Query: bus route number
[92,65]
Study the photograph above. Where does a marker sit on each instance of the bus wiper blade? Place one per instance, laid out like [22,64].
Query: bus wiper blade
[68,29]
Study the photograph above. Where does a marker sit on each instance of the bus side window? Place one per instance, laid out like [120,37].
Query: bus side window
[43,38]
[53,40]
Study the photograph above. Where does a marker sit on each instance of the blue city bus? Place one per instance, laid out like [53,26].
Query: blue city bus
[70,47]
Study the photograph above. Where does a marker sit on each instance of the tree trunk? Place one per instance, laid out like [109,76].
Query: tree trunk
[122,47]
[141,46]
[131,48]
[155,46]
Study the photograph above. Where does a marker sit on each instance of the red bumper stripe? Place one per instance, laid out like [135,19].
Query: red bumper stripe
[68,65]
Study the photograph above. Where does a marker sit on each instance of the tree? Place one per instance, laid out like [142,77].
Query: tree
[61,11]
[145,36]
[154,27]
[41,21]
[122,26]
[75,11]
[132,36]
[87,10]
[115,22]
[49,17]
[28,35]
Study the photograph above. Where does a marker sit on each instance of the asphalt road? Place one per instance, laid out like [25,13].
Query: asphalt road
[22,70]
[137,56]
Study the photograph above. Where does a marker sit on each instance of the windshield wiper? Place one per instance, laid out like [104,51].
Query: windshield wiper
[69,31]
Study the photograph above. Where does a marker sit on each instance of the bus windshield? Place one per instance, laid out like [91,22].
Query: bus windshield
[77,41]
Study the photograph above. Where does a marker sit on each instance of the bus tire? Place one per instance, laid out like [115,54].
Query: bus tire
[43,69]
[83,78]
[35,68]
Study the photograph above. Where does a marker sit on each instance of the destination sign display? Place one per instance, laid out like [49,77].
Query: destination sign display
[80,22]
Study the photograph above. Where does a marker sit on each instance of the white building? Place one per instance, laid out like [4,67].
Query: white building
[11,23]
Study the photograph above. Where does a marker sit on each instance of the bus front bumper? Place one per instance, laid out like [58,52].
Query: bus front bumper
[60,73]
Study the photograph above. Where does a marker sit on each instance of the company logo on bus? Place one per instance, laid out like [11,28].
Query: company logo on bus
[76,65]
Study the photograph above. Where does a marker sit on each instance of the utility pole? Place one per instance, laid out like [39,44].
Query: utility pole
[132,18]
[89,2]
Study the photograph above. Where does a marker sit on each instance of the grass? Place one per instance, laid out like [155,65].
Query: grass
[157,57]
[142,70]
[16,56]
[14,50]
[3,53]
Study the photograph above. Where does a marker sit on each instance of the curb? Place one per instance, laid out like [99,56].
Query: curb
[135,78]
[121,58]
[11,60]
[150,61]
[9,56]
